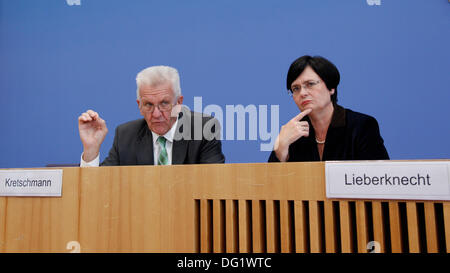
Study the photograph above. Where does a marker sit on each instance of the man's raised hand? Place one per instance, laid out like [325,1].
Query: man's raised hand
[92,129]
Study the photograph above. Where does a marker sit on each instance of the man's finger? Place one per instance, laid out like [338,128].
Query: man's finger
[84,117]
[102,122]
[302,115]
[94,115]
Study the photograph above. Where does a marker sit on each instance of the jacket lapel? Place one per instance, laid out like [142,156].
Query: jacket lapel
[335,134]
[179,148]
[144,153]
[179,152]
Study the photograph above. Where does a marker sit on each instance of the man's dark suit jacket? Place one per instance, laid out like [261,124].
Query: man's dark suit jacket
[133,143]
[351,136]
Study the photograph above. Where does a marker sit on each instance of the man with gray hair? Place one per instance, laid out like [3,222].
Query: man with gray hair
[162,137]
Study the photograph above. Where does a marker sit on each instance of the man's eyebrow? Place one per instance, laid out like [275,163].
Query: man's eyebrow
[162,100]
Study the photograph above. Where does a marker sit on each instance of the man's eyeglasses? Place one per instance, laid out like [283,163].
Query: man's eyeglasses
[307,86]
[150,107]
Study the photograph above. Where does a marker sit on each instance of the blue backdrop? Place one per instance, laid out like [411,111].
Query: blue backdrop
[58,60]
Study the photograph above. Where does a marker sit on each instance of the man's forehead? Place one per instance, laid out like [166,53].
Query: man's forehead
[160,90]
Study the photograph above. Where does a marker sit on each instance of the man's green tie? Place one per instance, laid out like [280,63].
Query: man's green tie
[162,159]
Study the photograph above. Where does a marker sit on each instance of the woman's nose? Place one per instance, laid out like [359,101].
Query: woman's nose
[303,92]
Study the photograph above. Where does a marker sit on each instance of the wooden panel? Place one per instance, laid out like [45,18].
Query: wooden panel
[361,227]
[330,228]
[197,232]
[272,227]
[430,228]
[244,227]
[446,209]
[301,228]
[394,220]
[140,209]
[65,213]
[218,227]
[43,224]
[120,209]
[100,210]
[378,225]
[3,205]
[177,205]
[286,227]
[346,227]
[315,227]
[259,181]
[266,207]
[19,227]
[231,227]
[258,226]
[413,228]
[205,228]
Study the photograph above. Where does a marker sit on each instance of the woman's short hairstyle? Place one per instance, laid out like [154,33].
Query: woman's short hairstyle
[326,70]
[156,75]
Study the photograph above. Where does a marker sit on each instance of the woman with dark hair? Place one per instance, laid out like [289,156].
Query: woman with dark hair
[324,130]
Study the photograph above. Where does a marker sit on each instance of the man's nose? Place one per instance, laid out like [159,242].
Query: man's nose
[156,112]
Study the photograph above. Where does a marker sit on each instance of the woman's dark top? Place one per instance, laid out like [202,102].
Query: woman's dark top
[351,136]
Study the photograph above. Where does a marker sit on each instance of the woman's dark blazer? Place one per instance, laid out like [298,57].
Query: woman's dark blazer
[351,136]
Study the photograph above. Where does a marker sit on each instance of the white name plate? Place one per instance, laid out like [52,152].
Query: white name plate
[388,180]
[30,182]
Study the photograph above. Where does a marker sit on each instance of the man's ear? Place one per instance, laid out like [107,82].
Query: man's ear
[138,103]
[332,91]
[177,108]
[180,100]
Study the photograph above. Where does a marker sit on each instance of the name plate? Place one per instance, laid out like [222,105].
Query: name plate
[388,180]
[30,182]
